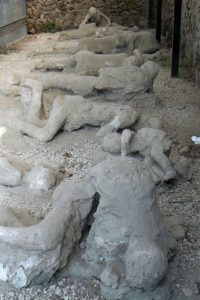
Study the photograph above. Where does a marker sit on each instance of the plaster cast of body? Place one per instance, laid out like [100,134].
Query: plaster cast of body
[68,113]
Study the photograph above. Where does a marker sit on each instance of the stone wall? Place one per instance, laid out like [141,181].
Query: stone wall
[66,14]
[167,20]
[190,34]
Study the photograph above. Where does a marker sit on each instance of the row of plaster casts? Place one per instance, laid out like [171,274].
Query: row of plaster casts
[73,112]
[130,77]
[37,251]
[130,261]
[151,143]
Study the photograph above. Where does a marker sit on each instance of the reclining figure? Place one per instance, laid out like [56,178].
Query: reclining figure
[117,83]
[119,41]
[127,79]
[68,113]
[151,143]
[88,63]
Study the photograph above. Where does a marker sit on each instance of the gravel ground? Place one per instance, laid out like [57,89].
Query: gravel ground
[65,289]
[180,116]
[77,152]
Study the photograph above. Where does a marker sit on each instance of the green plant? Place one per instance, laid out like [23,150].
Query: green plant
[51,26]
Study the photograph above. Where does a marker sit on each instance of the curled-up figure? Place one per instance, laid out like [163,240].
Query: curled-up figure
[97,17]
[151,143]
[68,113]
[127,247]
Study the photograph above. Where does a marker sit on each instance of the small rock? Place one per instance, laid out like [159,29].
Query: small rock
[178,232]
[9,174]
[184,168]
[184,150]
[182,107]
[174,220]
[187,292]
[41,179]
[109,277]
[174,224]
[11,294]
[112,143]
[58,291]
[14,79]
[82,245]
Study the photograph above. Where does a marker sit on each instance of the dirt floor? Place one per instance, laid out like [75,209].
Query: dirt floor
[179,110]
[180,115]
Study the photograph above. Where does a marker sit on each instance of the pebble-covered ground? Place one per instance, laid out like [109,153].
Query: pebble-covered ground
[180,116]
[75,153]
[65,289]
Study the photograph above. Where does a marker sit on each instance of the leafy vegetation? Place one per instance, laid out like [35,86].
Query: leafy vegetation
[51,26]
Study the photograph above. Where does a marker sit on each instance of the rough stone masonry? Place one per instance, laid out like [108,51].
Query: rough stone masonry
[67,14]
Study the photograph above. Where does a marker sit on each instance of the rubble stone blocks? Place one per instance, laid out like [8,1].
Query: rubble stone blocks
[68,14]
